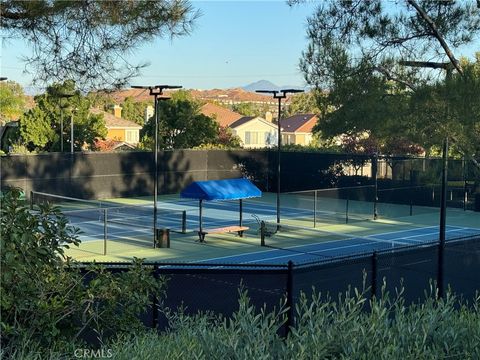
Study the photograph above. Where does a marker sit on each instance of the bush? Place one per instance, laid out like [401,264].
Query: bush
[46,300]
[350,327]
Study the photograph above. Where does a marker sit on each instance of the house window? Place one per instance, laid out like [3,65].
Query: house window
[131,136]
[251,137]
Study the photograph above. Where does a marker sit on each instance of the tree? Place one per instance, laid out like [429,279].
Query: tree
[250,109]
[134,110]
[88,40]
[12,101]
[304,103]
[358,51]
[181,125]
[40,126]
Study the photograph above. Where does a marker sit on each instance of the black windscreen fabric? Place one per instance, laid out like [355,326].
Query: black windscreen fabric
[333,278]
[462,266]
[412,269]
[217,290]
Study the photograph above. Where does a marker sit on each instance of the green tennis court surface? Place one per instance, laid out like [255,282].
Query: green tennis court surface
[128,229]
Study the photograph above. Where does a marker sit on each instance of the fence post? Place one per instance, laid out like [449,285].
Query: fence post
[465,187]
[31,200]
[375,184]
[374,273]
[443,218]
[262,233]
[290,305]
[105,231]
[412,192]
[184,221]
[315,208]
[346,207]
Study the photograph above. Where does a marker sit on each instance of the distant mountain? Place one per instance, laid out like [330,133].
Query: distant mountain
[261,85]
[267,85]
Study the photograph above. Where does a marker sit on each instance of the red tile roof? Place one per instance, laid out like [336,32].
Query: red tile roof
[303,123]
[222,115]
[112,121]
[234,95]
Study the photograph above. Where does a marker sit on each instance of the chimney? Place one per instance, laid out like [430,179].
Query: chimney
[117,111]
[269,116]
[148,112]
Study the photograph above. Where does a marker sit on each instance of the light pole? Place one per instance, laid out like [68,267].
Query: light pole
[448,67]
[155,91]
[280,94]
[62,96]
[71,131]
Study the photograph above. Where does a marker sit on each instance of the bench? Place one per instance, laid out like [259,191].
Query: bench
[227,229]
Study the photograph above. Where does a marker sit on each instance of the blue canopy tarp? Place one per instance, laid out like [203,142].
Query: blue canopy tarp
[229,189]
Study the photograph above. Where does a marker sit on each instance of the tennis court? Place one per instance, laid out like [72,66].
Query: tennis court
[347,246]
[308,231]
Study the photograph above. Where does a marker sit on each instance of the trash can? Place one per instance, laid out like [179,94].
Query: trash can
[163,238]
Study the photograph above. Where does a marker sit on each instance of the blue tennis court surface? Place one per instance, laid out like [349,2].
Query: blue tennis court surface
[347,246]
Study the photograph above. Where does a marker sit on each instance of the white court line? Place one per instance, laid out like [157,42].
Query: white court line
[311,252]
[326,242]
[434,233]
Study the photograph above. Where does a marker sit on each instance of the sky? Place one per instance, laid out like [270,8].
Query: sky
[234,43]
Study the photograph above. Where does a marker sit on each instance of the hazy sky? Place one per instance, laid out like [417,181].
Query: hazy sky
[234,43]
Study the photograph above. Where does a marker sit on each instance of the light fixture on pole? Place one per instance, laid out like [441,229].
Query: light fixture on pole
[155,91]
[280,94]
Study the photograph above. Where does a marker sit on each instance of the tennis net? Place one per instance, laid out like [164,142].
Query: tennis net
[130,216]
[64,202]
[312,244]
[331,206]
[86,213]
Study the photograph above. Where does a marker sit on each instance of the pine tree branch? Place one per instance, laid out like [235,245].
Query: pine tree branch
[437,34]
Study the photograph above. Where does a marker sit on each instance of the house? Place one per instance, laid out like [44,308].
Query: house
[224,117]
[255,132]
[119,129]
[297,129]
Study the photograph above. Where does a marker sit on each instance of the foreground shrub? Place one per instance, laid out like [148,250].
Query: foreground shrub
[46,301]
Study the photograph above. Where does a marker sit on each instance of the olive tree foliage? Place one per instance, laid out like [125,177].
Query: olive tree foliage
[40,127]
[12,101]
[181,125]
[361,52]
[90,40]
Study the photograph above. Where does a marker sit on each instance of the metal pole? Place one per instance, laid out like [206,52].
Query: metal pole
[241,211]
[200,225]
[346,207]
[155,91]
[184,221]
[279,145]
[61,129]
[155,173]
[443,218]
[71,133]
[375,184]
[315,208]
[412,192]
[465,188]
[105,231]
